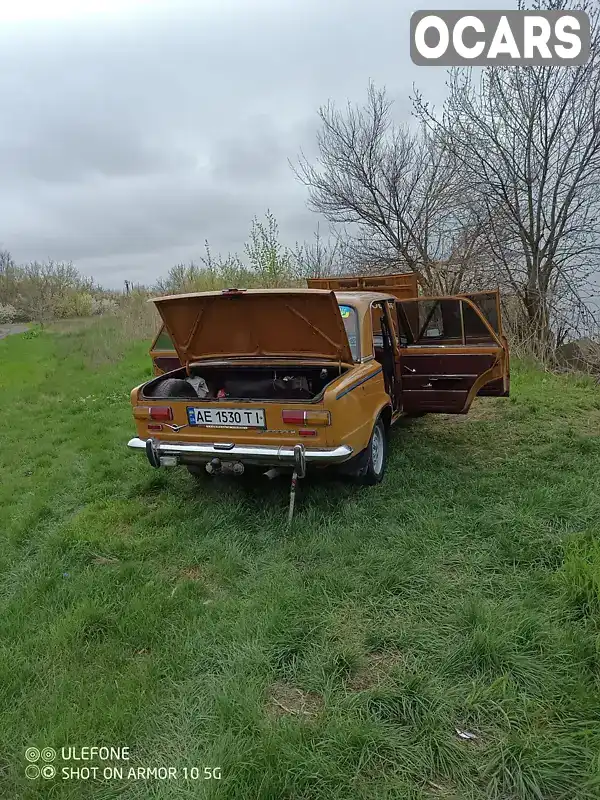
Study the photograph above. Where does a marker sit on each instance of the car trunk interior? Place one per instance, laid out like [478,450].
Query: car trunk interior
[240,382]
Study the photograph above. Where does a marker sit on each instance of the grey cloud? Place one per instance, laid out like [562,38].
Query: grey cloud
[125,143]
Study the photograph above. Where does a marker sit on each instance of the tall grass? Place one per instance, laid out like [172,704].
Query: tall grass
[140,608]
[106,339]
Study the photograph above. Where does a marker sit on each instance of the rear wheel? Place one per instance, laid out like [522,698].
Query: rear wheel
[375,457]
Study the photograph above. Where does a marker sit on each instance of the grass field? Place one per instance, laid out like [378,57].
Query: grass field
[139,608]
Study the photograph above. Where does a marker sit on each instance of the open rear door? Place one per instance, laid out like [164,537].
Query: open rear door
[450,352]
[488,304]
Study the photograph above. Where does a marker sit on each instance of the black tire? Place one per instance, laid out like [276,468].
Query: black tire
[375,457]
[175,387]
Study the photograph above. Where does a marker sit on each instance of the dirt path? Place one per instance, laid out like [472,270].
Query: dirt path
[6,330]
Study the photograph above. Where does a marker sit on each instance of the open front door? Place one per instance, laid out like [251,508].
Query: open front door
[449,353]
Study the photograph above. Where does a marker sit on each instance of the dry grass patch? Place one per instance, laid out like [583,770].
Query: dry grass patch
[106,561]
[192,574]
[374,671]
[199,573]
[436,789]
[200,577]
[71,324]
[285,700]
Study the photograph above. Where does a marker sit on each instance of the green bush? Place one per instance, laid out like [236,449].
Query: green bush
[8,313]
[46,291]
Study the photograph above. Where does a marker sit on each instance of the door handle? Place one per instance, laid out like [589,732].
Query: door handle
[408,368]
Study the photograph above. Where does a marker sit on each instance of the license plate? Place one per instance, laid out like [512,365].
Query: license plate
[218,417]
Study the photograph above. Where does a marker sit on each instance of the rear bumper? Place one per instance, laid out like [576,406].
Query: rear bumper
[187,453]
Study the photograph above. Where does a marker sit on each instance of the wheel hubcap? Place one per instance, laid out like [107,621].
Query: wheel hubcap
[377,450]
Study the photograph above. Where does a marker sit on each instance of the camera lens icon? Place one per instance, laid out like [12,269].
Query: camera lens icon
[32,771]
[32,754]
[48,771]
[48,754]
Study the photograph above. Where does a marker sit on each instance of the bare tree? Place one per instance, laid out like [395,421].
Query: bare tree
[528,140]
[399,193]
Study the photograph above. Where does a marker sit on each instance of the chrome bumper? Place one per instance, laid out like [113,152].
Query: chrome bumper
[186,453]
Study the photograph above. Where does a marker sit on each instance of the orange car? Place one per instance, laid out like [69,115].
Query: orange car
[311,378]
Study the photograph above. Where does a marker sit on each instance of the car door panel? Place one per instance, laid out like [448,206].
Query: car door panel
[445,382]
[468,357]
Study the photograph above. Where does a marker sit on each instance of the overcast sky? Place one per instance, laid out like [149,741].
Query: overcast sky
[133,130]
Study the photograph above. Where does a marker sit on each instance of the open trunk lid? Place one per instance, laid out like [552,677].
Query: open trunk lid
[259,323]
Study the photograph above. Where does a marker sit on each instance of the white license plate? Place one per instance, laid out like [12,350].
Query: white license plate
[220,417]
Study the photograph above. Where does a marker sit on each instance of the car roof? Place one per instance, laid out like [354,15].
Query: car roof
[362,298]
[357,298]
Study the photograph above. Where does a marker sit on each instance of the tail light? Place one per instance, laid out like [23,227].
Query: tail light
[306,432]
[161,413]
[299,417]
[158,413]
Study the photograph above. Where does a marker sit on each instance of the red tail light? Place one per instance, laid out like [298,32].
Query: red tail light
[306,432]
[161,413]
[295,417]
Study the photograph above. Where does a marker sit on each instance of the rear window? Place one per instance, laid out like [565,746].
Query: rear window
[351,324]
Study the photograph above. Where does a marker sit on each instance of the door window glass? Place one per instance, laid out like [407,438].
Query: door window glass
[487,303]
[443,321]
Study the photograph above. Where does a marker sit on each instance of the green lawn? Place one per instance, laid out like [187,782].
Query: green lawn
[140,608]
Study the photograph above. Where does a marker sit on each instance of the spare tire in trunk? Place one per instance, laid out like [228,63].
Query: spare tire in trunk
[175,387]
